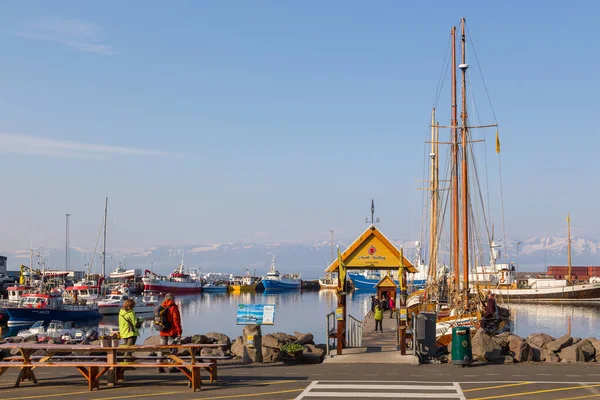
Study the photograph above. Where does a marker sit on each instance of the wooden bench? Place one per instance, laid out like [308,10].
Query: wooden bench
[91,370]
[92,367]
[128,362]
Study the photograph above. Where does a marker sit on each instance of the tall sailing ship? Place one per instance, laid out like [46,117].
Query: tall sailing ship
[450,296]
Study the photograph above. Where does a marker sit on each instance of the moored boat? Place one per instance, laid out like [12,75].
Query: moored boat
[246,283]
[368,279]
[111,304]
[87,289]
[212,287]
[328,282]
[47,307]
[274,281]
[121,273]
[177,282]
[546,290]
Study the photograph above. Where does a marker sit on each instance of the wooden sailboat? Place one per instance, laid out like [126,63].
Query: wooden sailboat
[462,305]
[548,290]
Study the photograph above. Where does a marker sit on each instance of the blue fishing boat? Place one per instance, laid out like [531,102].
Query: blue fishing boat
[368,280]
[215,288]
[274,281]
[48,307]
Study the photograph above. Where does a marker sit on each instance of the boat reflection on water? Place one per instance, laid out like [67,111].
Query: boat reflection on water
[553,319]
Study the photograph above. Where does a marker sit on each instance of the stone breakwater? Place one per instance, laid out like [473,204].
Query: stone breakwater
[251,347]
[507,348]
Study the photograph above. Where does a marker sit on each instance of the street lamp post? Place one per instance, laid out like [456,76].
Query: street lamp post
[518,244]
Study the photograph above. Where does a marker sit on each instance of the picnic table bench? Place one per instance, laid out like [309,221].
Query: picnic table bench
[108,360]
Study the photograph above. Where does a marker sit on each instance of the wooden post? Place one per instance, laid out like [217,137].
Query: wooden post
[341,323]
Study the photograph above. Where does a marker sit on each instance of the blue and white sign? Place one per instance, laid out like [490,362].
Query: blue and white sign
[261,314]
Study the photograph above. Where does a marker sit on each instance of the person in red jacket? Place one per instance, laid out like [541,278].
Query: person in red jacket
[173,335]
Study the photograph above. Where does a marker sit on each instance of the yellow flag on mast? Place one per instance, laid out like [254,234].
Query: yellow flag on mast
[341,271]
[497,142]
[401,270]
[568,218]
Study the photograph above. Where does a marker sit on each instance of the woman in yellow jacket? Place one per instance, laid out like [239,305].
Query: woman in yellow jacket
[128,324]
[378,317]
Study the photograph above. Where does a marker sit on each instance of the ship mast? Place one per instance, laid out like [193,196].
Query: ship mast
[434,200]
[104,242]
[454,179]
[569,246]
[67,244]
[464,178]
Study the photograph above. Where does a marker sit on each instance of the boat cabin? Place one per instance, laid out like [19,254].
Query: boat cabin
[15,293]
[38,300]
[507,275]
[87,289]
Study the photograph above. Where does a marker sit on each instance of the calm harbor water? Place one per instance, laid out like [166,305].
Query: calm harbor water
[305,312]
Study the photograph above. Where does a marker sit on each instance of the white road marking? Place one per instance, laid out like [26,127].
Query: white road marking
[386,389]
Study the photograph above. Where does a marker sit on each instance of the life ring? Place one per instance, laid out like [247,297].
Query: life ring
[502,280]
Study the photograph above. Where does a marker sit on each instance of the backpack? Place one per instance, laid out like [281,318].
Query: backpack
[161,322]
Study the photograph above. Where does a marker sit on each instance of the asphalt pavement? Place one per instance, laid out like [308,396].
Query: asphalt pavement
[324,381]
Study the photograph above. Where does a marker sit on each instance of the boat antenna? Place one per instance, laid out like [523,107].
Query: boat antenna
[104,242]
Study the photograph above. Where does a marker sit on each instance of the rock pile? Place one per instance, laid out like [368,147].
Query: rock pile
[270,346]
[253,347]
[507,348]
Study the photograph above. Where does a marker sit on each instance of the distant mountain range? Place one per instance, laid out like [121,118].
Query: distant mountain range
[308,258]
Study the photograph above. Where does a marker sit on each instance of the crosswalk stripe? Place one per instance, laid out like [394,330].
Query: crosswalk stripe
[385,395]
[391,390]
[390,387]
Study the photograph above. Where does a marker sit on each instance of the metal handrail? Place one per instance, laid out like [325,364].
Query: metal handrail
[330,323]
[355,331]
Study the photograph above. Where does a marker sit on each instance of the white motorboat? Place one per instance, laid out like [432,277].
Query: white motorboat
[56,330]
[112,304]
[121,273]
[34,330]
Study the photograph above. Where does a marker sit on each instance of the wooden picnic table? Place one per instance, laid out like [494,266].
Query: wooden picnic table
[92,369]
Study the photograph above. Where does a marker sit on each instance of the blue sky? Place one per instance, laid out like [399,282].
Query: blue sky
[267,121]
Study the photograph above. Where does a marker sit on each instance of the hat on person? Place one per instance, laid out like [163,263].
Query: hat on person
[169,296]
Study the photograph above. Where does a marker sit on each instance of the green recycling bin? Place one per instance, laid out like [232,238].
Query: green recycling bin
[462,353]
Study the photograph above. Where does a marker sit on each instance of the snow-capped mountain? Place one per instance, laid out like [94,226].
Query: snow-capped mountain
[308,258]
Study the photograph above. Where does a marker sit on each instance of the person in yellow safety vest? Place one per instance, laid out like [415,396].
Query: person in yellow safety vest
[378,318]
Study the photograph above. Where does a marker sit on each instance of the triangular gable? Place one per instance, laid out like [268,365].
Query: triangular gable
[386,282]
[372,250]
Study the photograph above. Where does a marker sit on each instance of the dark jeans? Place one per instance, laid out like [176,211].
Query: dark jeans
[379,322]
[130,341]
